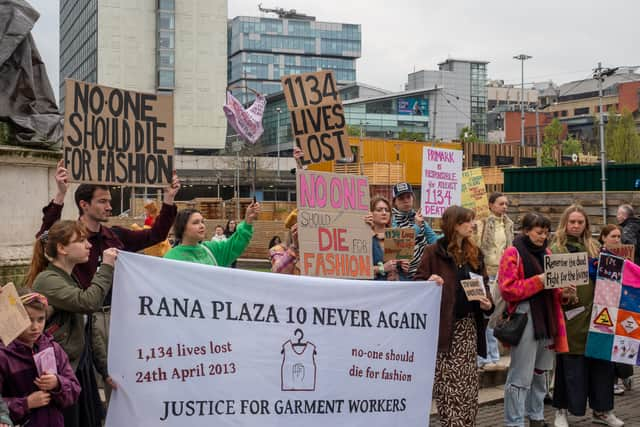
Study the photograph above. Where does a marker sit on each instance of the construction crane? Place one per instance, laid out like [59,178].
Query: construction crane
[288,14]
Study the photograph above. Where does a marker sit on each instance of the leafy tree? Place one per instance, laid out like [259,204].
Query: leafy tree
[410,136]
[353,130]
[552,140]
[467,135]
[571,146]
[622,141]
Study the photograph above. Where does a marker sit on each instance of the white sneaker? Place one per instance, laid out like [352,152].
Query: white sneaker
[607,419]
[561,418]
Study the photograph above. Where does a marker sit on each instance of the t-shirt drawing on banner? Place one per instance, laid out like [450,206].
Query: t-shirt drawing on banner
[298,371]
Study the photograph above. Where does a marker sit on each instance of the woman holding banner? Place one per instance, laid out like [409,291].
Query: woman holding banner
[610,237]
[452,259]
[190,230]
[55,254]
[521,284]
[580,378]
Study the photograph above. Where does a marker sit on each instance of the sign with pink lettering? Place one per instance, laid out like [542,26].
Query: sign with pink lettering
[334,239]
[441,180]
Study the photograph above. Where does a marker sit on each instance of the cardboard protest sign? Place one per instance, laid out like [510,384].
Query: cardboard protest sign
[473,289]
[399,243]
[614,328]
[334,239]
[624,251]
[266,349]
[117,137]
[563,270]
[441,188]
[13,317]
[317,116]
[474,192]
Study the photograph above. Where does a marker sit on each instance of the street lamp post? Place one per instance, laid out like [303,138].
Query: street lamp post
[278,110]
[522,57]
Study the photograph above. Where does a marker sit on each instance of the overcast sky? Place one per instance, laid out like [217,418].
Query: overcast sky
[566,38]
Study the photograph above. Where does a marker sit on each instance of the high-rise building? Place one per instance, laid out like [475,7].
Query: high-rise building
[154,46]
[462,100]
[261,50]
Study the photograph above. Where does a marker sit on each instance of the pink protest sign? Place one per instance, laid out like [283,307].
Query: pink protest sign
[46,361]
[334,239]
[441,180]
[248,123]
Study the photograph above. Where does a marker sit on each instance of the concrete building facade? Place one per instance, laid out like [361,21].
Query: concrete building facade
[462,99]
[154,46]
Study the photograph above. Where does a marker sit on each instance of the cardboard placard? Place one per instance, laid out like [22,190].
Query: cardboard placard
[473,289]
[624,251]
[474,192]
[563,270]
[317,116]
[117,137]
[399,243]
[334,239]
[13,317]
[441,170]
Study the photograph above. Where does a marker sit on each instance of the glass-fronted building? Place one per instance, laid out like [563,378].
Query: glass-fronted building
[262,50]
[368,112]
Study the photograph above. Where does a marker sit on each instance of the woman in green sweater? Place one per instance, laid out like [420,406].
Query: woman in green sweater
[190,229]
[55,254]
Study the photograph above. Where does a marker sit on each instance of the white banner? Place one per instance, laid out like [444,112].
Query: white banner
[200,346]
[441,180]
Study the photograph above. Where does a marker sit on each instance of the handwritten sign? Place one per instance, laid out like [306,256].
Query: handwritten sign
[317,116]
[563,270]
[399,243]
[624,251]
[13,317]
[334,239]
[117,137]
[441,174]
[474,192]
[473,289]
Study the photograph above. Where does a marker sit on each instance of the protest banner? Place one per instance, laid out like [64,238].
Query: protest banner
[614,329]
[624,251]
[317,116]
[399,243]
[117,137]
[562,270]
[441,176]
[474,192]
[198,345]
[334,239]
[13,317]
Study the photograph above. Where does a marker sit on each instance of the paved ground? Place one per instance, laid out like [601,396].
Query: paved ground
[627,408]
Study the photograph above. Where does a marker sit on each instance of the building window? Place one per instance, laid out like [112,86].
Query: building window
[166,21]
[166,40]
[166,79]
[581,111]
[167,4]
[563,113]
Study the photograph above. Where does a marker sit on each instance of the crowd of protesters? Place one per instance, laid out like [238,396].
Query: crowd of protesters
[67,296]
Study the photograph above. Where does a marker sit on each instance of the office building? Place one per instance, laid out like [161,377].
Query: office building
[154,46]
[462,99]
[263,49]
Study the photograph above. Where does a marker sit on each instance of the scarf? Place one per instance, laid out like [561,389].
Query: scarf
[542,303]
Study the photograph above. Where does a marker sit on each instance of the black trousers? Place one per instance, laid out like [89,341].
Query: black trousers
[579,378]
[623,371]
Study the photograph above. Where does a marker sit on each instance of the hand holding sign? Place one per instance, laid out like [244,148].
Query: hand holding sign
[62,182]
[172,189]
[47,382]
[252,213]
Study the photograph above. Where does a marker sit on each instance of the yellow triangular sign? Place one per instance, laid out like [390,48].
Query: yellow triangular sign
[603,319]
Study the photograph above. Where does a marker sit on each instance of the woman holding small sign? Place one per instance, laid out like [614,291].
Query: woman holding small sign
[580,378]
[521,284]
[380,219]
[456,263]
